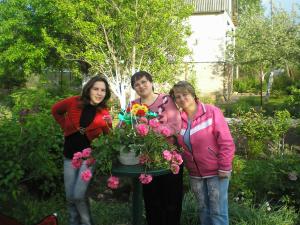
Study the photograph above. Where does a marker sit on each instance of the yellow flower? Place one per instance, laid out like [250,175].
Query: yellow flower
[135,106]
[144,108]
[134,111]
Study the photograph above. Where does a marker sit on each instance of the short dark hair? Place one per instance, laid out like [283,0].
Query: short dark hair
[183,86]
[139,75]
[85,94]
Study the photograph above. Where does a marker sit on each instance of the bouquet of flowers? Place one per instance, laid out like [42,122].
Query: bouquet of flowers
[140,131]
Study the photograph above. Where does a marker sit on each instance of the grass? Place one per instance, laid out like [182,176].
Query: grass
[29,210]
[244,103]
[243,214]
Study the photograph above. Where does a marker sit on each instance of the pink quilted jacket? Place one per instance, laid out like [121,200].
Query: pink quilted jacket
[212,144]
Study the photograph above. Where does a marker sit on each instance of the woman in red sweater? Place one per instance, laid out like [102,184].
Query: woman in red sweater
[82,118]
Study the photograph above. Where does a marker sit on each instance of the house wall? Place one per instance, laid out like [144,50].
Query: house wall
[208,45]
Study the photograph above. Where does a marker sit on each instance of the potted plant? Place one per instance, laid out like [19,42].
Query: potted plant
[141,134]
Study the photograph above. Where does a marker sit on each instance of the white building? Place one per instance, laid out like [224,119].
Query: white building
[210,24]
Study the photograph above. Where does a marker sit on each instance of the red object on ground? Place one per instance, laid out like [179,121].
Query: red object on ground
[48,220]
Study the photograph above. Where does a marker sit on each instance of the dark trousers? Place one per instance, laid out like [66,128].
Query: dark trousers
[163,199]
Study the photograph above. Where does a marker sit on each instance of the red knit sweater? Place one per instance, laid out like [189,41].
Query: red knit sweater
[67,113]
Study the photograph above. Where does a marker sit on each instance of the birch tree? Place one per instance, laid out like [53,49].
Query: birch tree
[116,38]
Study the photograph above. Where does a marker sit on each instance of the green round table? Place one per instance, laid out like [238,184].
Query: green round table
[134,172]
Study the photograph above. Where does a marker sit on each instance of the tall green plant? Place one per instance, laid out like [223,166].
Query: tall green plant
[30,143]
[257,135]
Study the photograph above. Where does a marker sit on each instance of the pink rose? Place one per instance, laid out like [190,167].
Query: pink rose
[175,168]
[154,123]
[176,158]
[86,175]
[86,152]
[76,163]
[156,130]
[77,155]
[165,131]
[167,155]
[145,179]
[142,129]
[143,120]
[113,182]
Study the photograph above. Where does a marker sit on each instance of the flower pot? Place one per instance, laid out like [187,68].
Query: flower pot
[128,158]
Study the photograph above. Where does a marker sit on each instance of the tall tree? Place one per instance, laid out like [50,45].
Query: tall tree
[117,38]
[22,46]
[110,37]
[262,41]
[244,5]
[265,43]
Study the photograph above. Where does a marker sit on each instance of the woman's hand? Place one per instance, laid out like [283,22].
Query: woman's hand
[224,174]
[108,118]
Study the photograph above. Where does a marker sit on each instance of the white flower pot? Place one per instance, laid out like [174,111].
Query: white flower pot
[128,158]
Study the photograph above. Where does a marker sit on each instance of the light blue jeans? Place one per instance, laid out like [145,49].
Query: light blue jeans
[212,196]
[75,188]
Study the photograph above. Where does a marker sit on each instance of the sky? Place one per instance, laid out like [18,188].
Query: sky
[285,4]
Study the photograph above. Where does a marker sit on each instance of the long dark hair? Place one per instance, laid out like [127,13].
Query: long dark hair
[85,94]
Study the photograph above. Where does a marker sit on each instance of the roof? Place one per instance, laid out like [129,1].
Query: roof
[212,6]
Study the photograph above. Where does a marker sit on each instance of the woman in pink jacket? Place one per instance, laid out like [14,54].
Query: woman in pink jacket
[208,153]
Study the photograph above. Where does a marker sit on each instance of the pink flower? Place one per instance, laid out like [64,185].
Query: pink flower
[175,168]
[77,155]
[76,163]
[143,120]
[167,155]
[142,129]
[145,179]
[176,158]
[86,175]
[144,158]
[86,152]
[154,123]
[165,131]
[90,161]
[113,182]
[156,130]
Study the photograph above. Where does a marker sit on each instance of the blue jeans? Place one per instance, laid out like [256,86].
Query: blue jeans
[212,196]
[75,188]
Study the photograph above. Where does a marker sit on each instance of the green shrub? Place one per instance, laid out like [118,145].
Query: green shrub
[275,179]
[248,85]
[31,144]
[281,85]
[29,210]
[293,102]
[242,105]
[257,135]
